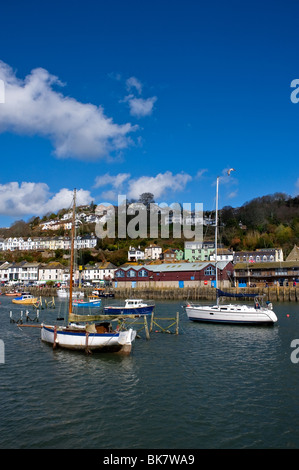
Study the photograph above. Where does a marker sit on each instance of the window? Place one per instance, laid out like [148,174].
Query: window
[210,271]
[131,273]
[120,273]
[142,273]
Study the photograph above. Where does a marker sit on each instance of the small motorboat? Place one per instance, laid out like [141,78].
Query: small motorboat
[25,299]
[131,307]
[93,301]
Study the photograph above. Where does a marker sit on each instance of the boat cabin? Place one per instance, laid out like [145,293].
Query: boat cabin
[134,303]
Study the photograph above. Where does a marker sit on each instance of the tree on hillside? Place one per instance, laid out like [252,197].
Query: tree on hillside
[19,229]
[146,199]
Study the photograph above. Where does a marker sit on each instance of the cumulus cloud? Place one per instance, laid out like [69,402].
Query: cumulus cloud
[134,83]
[140,107]
[33,107]
[158,185]
[19,200]
[116,181]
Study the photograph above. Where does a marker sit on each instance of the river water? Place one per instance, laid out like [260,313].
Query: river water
[210,387]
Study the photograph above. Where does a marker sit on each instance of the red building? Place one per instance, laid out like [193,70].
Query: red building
[175,275]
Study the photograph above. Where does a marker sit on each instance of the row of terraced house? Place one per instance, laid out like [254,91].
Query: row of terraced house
[46,243]
[40,273]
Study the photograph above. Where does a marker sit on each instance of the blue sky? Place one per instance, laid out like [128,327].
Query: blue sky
[162,96]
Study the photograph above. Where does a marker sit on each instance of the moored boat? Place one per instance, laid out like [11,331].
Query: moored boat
[25,299]
[82,333]
[131,307]
[230,313]
[64,294]
[12,294]
[96,337]
[258,313]
[93,301]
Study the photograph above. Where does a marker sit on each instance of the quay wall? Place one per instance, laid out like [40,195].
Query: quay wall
[272,294]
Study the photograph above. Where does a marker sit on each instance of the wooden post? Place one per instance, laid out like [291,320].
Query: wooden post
[152,321]
[87,350]
[146,327]
[177,323]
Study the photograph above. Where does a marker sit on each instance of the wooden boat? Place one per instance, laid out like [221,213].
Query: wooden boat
[25,299]
[82,333]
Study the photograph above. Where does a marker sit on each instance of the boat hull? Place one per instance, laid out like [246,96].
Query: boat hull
[146,310]
[65,294]
[25,301]
[231,314]
[81,340]
[87,304]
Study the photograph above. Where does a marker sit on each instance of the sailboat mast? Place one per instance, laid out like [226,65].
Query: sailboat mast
[72,253]
[216,234]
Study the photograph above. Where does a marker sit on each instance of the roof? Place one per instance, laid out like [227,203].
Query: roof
[103,265]
[294,254]
[268,265]
[53,265]
[173,267]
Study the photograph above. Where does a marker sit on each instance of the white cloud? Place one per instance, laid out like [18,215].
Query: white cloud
[122,183]
[232,194]
[200,173]
[116,181]
[35,199]
[158,185]
[140,107]
[133,82]
[78,130]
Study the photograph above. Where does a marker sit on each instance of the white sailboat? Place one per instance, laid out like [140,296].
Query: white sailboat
[82,332]
[258,313]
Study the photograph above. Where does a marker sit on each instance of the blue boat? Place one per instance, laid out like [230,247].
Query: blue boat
[93,301]
[131,307]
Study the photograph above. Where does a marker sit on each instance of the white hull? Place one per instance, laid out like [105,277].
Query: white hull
[79,339]
[65,294]
[230,314]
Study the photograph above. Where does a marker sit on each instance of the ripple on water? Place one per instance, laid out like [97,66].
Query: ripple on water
[213,386]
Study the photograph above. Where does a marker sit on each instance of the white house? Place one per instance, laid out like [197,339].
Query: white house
[222,255]
[99,272]
[53,272]
[28,273]
[153,252]
[135,254]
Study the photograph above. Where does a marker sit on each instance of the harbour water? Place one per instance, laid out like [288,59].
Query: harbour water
[210,387]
